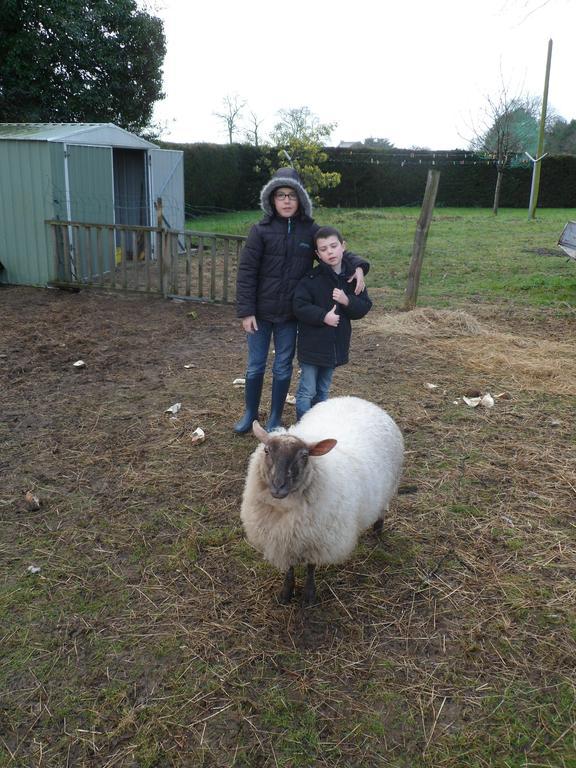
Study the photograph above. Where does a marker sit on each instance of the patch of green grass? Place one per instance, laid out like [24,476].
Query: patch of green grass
[470,253]
[464,510]
[295,724]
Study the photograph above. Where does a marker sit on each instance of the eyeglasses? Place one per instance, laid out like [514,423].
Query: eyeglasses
[284,195]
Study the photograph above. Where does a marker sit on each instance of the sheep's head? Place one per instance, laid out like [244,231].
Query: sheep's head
[286,458]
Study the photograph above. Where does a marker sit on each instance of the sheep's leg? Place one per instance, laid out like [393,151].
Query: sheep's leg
[288,588]
[309,591]
[377,527]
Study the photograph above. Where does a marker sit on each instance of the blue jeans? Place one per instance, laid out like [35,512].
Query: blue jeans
[313,387]
[284,345]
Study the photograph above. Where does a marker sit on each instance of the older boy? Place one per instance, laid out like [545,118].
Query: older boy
[324,304]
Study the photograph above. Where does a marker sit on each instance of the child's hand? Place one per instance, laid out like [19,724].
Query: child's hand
[331,318]
[339,296]
[360,282]
[249,324]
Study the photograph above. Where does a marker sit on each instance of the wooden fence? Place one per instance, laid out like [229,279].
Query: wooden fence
[199,266]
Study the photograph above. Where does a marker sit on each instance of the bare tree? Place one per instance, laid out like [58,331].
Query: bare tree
[232,114]
[252,133]
[509,126]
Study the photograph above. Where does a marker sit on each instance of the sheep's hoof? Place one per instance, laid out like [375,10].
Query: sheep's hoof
[308,596]
[287,591]
[309,591]
[285,596]
[377,527]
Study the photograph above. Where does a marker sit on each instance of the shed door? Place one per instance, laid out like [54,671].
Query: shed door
[167,182]
[89,171]
[88,178]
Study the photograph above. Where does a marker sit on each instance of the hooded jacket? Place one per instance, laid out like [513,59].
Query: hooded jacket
[278,253]
[318,343]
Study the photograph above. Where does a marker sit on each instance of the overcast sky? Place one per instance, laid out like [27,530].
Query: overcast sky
[415,72]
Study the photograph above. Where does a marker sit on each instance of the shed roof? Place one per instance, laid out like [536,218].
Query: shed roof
[103,134]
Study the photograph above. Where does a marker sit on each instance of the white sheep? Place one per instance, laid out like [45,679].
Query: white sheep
[313,489]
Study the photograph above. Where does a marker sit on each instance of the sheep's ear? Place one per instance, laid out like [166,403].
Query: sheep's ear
[260,432]
[319,449]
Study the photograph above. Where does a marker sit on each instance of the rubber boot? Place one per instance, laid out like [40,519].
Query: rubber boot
[280,389]
[252,393]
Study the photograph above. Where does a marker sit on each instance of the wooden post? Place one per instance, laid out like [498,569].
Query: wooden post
[161,244]
[420,238]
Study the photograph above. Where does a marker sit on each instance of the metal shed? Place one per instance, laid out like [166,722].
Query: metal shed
[87,172]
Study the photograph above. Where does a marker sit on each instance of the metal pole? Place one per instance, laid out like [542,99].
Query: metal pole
[537,164]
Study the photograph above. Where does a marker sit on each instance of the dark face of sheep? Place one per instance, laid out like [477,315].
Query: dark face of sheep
[286,459]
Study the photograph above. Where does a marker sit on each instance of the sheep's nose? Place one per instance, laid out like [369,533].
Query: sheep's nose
[280,493]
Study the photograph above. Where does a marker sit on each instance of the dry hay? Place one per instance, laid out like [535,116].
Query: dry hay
[522,362]
[426,321]
[530,364]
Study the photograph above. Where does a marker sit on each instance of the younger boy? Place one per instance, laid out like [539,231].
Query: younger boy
[325,303]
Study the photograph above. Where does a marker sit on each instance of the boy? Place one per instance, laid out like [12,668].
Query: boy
[325,303]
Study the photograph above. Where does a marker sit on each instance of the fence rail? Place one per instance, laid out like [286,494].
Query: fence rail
[199,266]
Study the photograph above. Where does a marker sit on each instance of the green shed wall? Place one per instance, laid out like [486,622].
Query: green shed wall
[25,204]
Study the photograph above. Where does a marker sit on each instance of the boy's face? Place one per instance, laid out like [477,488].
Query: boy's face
[285,202]
[330,250]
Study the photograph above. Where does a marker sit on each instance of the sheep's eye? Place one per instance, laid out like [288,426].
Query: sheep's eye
[266,449]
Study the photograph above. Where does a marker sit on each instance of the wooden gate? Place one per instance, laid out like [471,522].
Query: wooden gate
[199,266]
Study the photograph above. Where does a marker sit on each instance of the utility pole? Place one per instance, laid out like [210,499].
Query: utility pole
[537,161]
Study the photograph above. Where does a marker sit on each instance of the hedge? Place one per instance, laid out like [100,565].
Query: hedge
[227,176]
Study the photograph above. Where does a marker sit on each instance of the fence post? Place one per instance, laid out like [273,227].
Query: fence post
[161,244]
[420,238]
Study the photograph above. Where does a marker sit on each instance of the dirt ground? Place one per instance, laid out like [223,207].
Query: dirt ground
[151,635]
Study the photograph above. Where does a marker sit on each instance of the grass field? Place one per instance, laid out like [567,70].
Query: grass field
[138,629]
[471,254]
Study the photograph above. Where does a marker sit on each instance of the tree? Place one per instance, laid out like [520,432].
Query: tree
[301,136]
[510,127]
[232,114]
[561,137]
[74,60]
[376,143]
[252,133]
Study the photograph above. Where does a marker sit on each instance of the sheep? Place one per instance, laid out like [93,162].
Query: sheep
[311,490]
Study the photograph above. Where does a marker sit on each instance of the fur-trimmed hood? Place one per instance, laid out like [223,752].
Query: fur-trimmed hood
[285,177]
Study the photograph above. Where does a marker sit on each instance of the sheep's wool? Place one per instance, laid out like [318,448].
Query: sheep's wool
[344,493]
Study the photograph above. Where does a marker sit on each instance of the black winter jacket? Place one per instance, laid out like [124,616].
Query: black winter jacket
[318,343]
[277,253]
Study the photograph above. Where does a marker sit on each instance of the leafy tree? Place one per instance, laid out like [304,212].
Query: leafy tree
[74,60]
[376,143]
[300,137]
[561,137]
[231,115]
